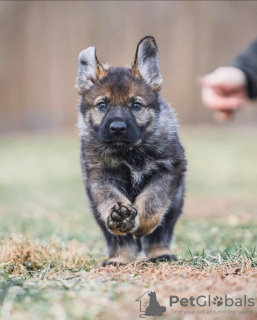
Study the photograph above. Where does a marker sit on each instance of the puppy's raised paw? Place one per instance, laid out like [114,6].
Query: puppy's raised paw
[122,219]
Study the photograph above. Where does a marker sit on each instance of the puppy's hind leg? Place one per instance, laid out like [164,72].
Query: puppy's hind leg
[157,244]
[121,249]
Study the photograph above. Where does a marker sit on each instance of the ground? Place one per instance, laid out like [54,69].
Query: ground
[51,248]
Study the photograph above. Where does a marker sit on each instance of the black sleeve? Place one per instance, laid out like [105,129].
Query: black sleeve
[247,62]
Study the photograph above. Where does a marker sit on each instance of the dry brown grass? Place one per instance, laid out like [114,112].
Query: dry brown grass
[68,271]
[18,255]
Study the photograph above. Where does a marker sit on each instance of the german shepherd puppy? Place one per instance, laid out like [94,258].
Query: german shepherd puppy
[132,162]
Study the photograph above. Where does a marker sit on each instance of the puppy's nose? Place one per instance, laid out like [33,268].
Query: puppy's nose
[118,127]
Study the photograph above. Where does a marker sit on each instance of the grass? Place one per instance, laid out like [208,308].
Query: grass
[51,248]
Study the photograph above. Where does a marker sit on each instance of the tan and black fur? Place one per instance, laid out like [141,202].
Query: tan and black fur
[132,161]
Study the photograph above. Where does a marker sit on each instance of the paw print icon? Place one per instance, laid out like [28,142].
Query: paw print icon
[218,301]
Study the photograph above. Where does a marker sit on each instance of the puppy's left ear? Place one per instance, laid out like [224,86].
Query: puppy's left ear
[147,62]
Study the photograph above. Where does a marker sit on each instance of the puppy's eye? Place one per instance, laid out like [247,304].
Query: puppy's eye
[137,106]
[102,106]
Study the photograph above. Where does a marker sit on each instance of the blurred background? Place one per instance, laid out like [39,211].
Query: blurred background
[41,40]
[39,165]
[42,198]
[40,177]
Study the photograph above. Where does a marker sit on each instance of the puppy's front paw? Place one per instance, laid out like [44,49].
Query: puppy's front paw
[112,263]
[122,219]
[164,258]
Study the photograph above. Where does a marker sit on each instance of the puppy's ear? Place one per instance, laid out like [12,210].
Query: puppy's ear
[89,71]
[147,62]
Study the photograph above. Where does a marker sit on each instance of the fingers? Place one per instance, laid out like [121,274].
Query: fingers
[215,99]
[217,81]
[224,88]
[226,78]
[223,91]
[208,80]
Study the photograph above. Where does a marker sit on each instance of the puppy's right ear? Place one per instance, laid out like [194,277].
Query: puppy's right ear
[90,70]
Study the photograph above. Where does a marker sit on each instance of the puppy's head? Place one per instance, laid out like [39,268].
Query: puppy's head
[119,104]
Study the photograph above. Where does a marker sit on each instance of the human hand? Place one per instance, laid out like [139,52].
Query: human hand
[224,91]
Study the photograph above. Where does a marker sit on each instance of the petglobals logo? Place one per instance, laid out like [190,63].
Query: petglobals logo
[207,301]
[149,305]
[209,304]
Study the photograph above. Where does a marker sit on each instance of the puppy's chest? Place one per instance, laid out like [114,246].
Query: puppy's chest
[139,175]
[133,179]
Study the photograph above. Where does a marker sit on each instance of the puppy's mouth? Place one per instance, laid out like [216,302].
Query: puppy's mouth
[118,143]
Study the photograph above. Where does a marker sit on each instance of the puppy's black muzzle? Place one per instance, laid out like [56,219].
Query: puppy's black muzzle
[118,128]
